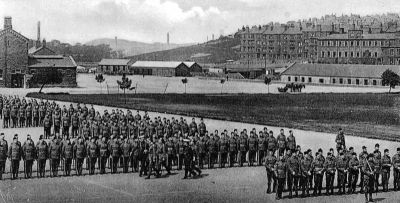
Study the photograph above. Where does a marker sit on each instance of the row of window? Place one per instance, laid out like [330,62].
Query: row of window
[345,54]
[334,81]
[356,43]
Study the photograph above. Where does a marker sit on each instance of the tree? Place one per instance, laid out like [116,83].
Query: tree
[222,84]
[185,81]
[48,76]
[124,84]
[267,81]
[100,79]
[390,78]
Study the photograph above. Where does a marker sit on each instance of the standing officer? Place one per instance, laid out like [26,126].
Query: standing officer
[67,154]
[270,161]
[262,148]
[65,124]
[3,155]
[354,166]
[342,167]
[330,167]
[135,154]
[361,158]
[291,142]
[54,152]
[243,146]
[14,153]
[318,173]
[223,150]
[386,164]
[280,174]
[161,155]
[80,154]
[293,174]
[281,143]
[47,126]
[104,154]
[306,173]
[252,148]
[114,149]
[396,170]
[152,157]
[28,155]
[368,171]
[272,142]
[340,141]
[377,167]
[42,154]
[92,150]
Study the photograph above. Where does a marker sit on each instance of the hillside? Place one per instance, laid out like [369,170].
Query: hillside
[216,51]
[130,48]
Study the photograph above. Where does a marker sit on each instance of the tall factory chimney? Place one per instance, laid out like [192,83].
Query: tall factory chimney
[167,38]
[38,42]
[116,43]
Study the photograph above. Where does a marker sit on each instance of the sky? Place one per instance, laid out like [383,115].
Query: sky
[187,21]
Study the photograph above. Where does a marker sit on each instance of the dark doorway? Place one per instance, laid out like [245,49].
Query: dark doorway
[17,80]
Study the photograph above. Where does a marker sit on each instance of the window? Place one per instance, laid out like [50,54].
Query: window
[289,79]
[374,82]
[1,74]
[340,54]
[351,54]
[323,54]
[303,79]
[321,80]
[357,81]
[345,54]
[295,79]
[341,80]
[358,54]
[349,81]
[365,82]
[310,79]
[333,80]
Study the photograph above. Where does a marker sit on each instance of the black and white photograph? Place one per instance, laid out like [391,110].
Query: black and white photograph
[292,101]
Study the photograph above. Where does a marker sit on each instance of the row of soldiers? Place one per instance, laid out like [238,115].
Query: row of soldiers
[128,153]
[301,172]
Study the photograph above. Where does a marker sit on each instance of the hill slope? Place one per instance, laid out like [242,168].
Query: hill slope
[130,48]
[216,51]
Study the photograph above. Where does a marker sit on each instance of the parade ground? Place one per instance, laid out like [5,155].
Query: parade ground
[247,184]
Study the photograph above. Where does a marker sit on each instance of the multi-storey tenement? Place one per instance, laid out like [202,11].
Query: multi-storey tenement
[357,47]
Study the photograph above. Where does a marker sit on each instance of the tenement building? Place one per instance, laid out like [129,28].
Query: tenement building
[343,42]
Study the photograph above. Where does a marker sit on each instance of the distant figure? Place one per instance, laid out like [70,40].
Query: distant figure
[340,141]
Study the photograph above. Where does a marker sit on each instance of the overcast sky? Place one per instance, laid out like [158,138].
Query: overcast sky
[149,20]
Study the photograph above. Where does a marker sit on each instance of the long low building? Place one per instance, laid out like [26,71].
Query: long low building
[160,68]
[337,74]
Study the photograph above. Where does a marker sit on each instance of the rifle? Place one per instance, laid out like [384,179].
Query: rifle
[24,168]
[51,168]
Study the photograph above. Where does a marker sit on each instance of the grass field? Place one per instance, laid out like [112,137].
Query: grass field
[365,115]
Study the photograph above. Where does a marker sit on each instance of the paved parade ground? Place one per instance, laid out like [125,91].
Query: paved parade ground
[215,185]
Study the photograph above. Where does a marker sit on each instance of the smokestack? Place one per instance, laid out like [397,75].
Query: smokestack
[7,22]
[212,36]
[167,38]
[116,43]
[38,31]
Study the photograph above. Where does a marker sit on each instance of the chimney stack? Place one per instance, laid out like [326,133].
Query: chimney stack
[7,22]
[167,38]
[38,31]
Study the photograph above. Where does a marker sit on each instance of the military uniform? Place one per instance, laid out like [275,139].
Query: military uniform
[223,151]
[252,150]
[243,146]
[353,174]
[340,141]
[211,152]
[54,155]
[262,149]
[42,154]
[67,153]
[386,164]
[104,154]
[29,156]
[330,167]
[291,143]
[143,157]
[153,160]
[396,171]
[92,151]
[15,153]
[361,158]
[270,161]
[80,155]
[342,167]
[368,171]
[318,174]
[233,151]
[135,155]
[126,149]
[280,174]
[293,175]
[272,144]
[170,147]
[3,156]
[281,139]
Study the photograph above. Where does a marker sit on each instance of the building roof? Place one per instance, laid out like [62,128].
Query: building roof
[189,63]
[33,50]
[48,61]
[15,33]
[114,62]
[340,70]
[157,64]
[364,36]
